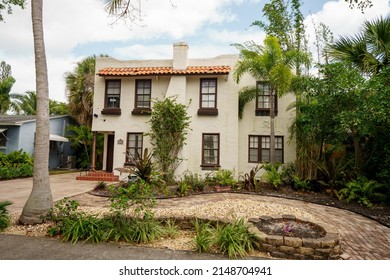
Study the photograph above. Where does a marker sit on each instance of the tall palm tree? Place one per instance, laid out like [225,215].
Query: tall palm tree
[265,63]
[40,200]
[79,86]
[369,50]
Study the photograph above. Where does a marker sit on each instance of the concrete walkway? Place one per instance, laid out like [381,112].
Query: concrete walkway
[62,185]
[361,238]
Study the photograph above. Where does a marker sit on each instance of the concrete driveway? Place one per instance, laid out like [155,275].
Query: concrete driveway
[62,185]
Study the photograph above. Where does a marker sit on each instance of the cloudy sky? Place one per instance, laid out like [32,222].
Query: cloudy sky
[77,29]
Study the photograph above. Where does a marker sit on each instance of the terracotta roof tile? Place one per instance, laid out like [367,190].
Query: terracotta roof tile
[148,71]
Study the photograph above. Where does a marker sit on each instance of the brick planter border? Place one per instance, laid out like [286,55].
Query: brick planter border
[324,248]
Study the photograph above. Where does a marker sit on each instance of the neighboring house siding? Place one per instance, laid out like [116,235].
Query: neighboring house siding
[223,120]
[21,134]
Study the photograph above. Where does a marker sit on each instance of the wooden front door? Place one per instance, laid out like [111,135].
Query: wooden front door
[110,153]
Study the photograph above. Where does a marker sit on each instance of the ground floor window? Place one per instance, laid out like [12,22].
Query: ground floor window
[259,148]
[210,150]
[134,147]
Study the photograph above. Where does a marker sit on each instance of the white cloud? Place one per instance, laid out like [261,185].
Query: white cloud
[342,20]
[72,24]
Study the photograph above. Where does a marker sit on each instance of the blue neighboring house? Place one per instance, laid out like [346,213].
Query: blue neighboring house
[18,132]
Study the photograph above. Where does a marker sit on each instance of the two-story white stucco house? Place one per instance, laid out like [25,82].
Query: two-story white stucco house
[218,137]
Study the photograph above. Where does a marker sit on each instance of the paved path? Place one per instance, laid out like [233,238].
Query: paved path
[62,185]
[361,238]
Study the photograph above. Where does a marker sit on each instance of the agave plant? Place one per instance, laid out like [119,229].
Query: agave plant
[4,215]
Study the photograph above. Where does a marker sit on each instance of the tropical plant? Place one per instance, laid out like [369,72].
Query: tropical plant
[204,236]
[362,190]
[183,188]
[171,229]
[143,165]
[169,126]
[272,174]
[26,104]
[369,50]
[6,83]
[268,63]
[80,90]
[195,180]
[81,139]
[223,177]
[250,182]
[5,220]
[234,239]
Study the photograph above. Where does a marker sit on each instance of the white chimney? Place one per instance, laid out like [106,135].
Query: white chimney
[180,56]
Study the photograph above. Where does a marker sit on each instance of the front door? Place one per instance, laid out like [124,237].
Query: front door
[110,153]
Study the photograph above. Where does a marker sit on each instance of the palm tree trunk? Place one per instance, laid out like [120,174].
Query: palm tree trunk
[40,200]
[272,128]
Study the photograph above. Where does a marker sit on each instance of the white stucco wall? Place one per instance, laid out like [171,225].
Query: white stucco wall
[233,131]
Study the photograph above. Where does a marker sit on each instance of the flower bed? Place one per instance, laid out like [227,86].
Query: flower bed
[286,237]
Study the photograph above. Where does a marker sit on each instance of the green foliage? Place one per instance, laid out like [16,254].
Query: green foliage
[204,236]
[272,174]
[7,5]
[194,180]
[4,215]
[234,239]
[81,138]
[134,199]
[101,186]
[82,227]
[360,190]
[333,171]
[183,188]
[223,177]
[16,164]
[169,126]
[143,165]
[171,229]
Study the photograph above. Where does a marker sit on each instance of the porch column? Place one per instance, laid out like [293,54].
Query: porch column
[93,156]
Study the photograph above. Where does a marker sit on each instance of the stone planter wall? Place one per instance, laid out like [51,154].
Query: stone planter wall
[285,247]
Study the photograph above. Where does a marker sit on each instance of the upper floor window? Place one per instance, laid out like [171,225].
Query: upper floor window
[143,94]
[263,100]
[112,97]
[134,147]
[210,150]
[259,148]
[208,97]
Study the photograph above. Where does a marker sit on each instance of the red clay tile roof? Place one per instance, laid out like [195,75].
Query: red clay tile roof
[149,71]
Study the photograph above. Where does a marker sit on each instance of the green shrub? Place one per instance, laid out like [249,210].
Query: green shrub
[204,238]
[4,215]
[83,227]
[360,190]
[16,164]
[272,174]
[234,239]
[194,180]
[183,188]
[171,229]
[223,177]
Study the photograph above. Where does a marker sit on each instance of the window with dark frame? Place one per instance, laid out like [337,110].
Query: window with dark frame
[112,97]
[143,93]
[208,96]
[263,100]
[3,139]
[134,147]
[259,148]
[210,150]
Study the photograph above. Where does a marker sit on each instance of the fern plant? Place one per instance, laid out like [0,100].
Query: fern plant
[272,174]
[360,190]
